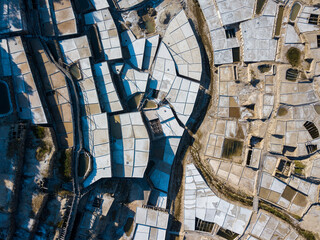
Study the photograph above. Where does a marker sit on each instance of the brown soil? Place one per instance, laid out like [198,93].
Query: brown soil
[264,193]
[300,200]
[288,193]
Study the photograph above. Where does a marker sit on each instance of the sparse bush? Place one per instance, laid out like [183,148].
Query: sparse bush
[39,132]
[293,56]
[298,168]
[66,164]
[260,4]
[43,149]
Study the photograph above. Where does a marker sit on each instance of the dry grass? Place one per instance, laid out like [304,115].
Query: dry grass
[65,168]
[39,132]
[37,201]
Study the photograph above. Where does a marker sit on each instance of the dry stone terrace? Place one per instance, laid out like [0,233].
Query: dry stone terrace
[202,205]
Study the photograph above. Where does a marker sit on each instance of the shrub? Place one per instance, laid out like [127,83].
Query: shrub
[293,56]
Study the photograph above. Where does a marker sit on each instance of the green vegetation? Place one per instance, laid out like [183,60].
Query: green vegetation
[39,132]
[307,234]
[43,149]
[66,164]
[128,227]
[64,193]
[146,21]
[60,224]
[75,71]
[293,55]
[298,168]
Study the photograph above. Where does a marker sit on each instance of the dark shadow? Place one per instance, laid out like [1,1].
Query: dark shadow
[114,223]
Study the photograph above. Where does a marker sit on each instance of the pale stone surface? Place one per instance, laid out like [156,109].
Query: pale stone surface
[183,46]
[208,207]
